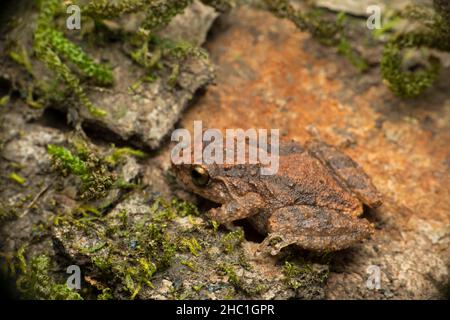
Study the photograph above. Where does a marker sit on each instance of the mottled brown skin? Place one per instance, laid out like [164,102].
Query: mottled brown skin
[314,200]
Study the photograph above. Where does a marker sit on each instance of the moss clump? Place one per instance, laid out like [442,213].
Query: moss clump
[118,154]
[154,53]
[92,170]
[50,46]
[191,244]
[302,275]
[293,274]
[20,56]
[249,288]
[325,31]
[151,51]
[232,239]
[184,208]
[67,60]
[150,248]
[434,34]
[105,295]
[4,100]
[35,282]
[189,264]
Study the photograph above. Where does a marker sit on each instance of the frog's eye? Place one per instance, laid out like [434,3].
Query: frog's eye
[200,176]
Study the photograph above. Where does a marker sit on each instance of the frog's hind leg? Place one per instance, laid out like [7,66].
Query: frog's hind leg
[313,228]
[347,171]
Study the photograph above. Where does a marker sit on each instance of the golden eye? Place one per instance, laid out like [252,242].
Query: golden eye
[200,176]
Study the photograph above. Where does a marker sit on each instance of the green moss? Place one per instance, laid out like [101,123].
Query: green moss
[228,270]
[17,178]
[95,175]
[434,34]
[67,162]
[184,208]
[249,288]
[35,282]
[4,100]
[139,246]
[20,56]
[191,244]
[389,23]
[151,49]
[160,12]
[155,53]
[160,246]
[197,288]
[189,264]
[232,239]
[21,260]
[118,155]
[101,74]
[105,295]
[51,46]
[215,225]
[352,56]
[152,247]
[102,263]
[301,275]
[109,9]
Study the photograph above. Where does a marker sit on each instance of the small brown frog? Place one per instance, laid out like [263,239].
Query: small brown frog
[314,200]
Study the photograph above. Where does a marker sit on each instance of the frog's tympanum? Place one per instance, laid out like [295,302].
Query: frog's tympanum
[314,200]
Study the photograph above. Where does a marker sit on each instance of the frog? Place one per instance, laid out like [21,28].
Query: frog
[314,201]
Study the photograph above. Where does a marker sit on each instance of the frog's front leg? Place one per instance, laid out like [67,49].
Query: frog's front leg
[238,208]
[313,228]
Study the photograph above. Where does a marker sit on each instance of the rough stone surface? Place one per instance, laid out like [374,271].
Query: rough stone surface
[269,75]
[44,195]
[209,273]
[193,25]
[139,112]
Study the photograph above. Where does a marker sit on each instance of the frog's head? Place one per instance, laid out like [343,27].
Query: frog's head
[204,180]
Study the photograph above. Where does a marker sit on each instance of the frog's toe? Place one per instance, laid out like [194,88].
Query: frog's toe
[273,244]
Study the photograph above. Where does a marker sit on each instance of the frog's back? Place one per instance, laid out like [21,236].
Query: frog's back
[303,179]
